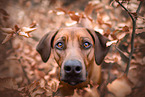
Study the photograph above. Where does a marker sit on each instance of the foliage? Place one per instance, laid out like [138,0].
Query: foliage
[22,72]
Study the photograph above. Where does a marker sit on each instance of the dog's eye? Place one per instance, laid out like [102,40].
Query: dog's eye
[87,45]
[59,45]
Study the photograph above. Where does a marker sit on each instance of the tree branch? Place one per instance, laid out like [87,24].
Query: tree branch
[133,32]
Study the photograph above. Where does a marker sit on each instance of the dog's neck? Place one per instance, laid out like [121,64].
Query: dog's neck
[95,78]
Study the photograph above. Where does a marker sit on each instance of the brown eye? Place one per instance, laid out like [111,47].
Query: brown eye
[59,45]
[87,45]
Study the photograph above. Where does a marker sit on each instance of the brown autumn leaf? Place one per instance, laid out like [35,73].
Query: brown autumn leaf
[74,16]
[7,38]
[61,9]
[89,8]
[16,28]
[76,94]
[24,34]
[120,35]
[134,14]
[33,24]
[113,36]
[107,33]
[33,90]
[39,91]
[109,43]
[92,92]
[109,25]
[125,28]
[70,23]
[41,74]
[24,31]
[32,86]
[7,30]
[54,86]
[8,83]
[120,87]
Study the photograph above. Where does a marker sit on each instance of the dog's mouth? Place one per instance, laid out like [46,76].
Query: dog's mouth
[73,81]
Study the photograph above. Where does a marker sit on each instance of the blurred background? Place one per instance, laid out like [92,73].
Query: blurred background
[24,22]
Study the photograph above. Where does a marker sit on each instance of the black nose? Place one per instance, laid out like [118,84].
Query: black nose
[73,67]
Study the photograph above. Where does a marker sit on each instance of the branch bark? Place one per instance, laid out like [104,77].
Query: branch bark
[133,18]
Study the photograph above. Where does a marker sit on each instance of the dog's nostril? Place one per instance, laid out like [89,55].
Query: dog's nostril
[78,69]
[67,69]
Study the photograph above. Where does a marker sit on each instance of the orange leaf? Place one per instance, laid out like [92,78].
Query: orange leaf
[7,30]
[8,83]
[107,33]
[125,28]
[16,28]
[33,24]
[89,8]
[113,36]
[7,38]
[61,9]
[73,16]
[24,34]
[27,29]
[109,25]
[109,43]
[120,87]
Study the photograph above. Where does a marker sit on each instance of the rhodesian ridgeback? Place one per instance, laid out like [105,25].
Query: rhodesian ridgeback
[79,53]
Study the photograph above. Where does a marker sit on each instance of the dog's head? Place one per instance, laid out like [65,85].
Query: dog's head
[74,49]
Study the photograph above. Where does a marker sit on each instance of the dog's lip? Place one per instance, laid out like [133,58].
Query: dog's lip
[73,82]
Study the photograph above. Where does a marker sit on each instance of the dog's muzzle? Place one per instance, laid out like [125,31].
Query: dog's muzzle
[72,72]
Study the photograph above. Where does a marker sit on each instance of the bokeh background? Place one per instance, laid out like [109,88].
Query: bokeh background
[22,72]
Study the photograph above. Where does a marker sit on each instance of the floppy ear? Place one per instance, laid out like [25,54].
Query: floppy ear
[100,46]
[45,44]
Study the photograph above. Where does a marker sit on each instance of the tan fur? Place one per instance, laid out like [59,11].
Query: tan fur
[73,37]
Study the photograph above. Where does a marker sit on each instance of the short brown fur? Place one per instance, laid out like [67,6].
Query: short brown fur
[90,58]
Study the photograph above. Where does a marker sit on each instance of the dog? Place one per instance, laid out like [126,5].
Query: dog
[79,52]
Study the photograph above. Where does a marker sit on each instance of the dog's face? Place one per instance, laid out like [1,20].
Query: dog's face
[74,49]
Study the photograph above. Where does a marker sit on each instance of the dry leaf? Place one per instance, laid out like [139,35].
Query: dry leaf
[41,74]
[7,38]
[120,35]
[8,83]
[54,86]
[24,31]
[32,86]
[74,16]
[125,28]
[70,23]
[107,33]
[24,34]
[61,9]
[120,87]
[38,91]
[27,29]
[75,94]
[91,92]
[109,43]
[7,30]
[89,8]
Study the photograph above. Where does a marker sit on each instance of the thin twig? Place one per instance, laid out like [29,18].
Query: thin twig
[133,32]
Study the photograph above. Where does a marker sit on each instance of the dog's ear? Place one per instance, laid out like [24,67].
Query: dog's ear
[45,44]
[100,46]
